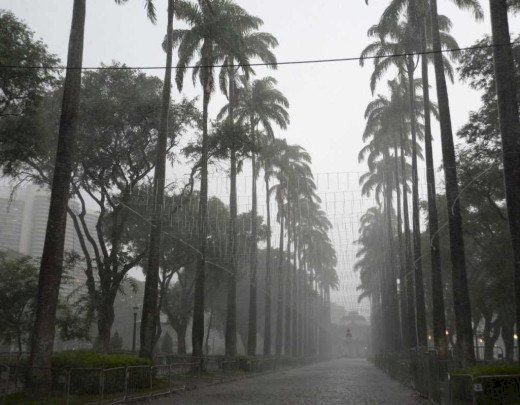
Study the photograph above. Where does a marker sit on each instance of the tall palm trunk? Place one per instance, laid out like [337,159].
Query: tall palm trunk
[288,289]
[461,301]
[279,306]
[231,309]
[394,329]
[420,308]
[305,310]
[510,130]
[151,293]
[299,272]
[267,325]
[439,317]
[51,266]
[412,329]
[402,253]
[294,329]
[251,331]
[197,335]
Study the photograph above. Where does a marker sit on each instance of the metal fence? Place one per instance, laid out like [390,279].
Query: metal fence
[116,385]
[433,378]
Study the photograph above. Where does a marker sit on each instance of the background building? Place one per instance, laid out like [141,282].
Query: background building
[23,223]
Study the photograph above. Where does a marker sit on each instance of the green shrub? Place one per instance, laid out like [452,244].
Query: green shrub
[90,359]
[87,380]
[489,369]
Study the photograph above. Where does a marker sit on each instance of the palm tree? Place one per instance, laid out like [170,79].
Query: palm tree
[385,127]
[253,45]
[214,33]
[151,298]
[259,103]
[371,259]
[292,164]
[51,266]
[394,38]
[509,128]
[268,153]
[461,301]
[417,14]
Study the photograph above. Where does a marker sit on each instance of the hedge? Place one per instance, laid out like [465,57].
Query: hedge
[489,369]
[89,359]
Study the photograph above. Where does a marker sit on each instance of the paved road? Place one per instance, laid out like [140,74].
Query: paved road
[344,381]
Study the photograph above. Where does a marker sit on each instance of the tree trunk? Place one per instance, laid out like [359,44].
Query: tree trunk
[420,307]
[294,328]
[51,266]
[197,335]
[181,340]
[510,130]
[231,309]
[279,306]
[288,290]
[461,300]
[439,316]
[267,326]
[252,328]
[150,300]
[210,321]
[508,337]
[105,312]
[412,330]
[402,254]
[392,309]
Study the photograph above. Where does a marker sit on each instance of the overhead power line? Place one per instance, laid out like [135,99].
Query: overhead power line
[254,64]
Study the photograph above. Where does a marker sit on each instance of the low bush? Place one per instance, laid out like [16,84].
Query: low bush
[489,369]
[89,359]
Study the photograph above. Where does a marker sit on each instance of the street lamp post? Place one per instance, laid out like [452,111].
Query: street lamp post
[136,308]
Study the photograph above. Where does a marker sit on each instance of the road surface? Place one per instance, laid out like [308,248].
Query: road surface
[344,381]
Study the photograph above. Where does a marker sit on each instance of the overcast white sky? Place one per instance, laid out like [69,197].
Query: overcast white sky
[327,100]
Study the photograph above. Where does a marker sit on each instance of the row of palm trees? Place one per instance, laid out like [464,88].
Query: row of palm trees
[218,32]
[395,127]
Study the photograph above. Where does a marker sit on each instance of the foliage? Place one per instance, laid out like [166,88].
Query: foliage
[89,359]
[21,89]
[489,369]
[18,288]
[482,133]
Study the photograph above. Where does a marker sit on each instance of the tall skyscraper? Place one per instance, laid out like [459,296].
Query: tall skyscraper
[23,223]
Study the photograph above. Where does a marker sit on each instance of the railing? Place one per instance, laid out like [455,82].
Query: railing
[429,375]
[120,384]
[485,389]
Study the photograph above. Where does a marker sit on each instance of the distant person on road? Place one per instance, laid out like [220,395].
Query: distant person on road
[348,339]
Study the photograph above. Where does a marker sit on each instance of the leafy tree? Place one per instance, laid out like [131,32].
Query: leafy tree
[22,89]
[118,130]
[481,169]
[118,152]
[17,294]
[508,109]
